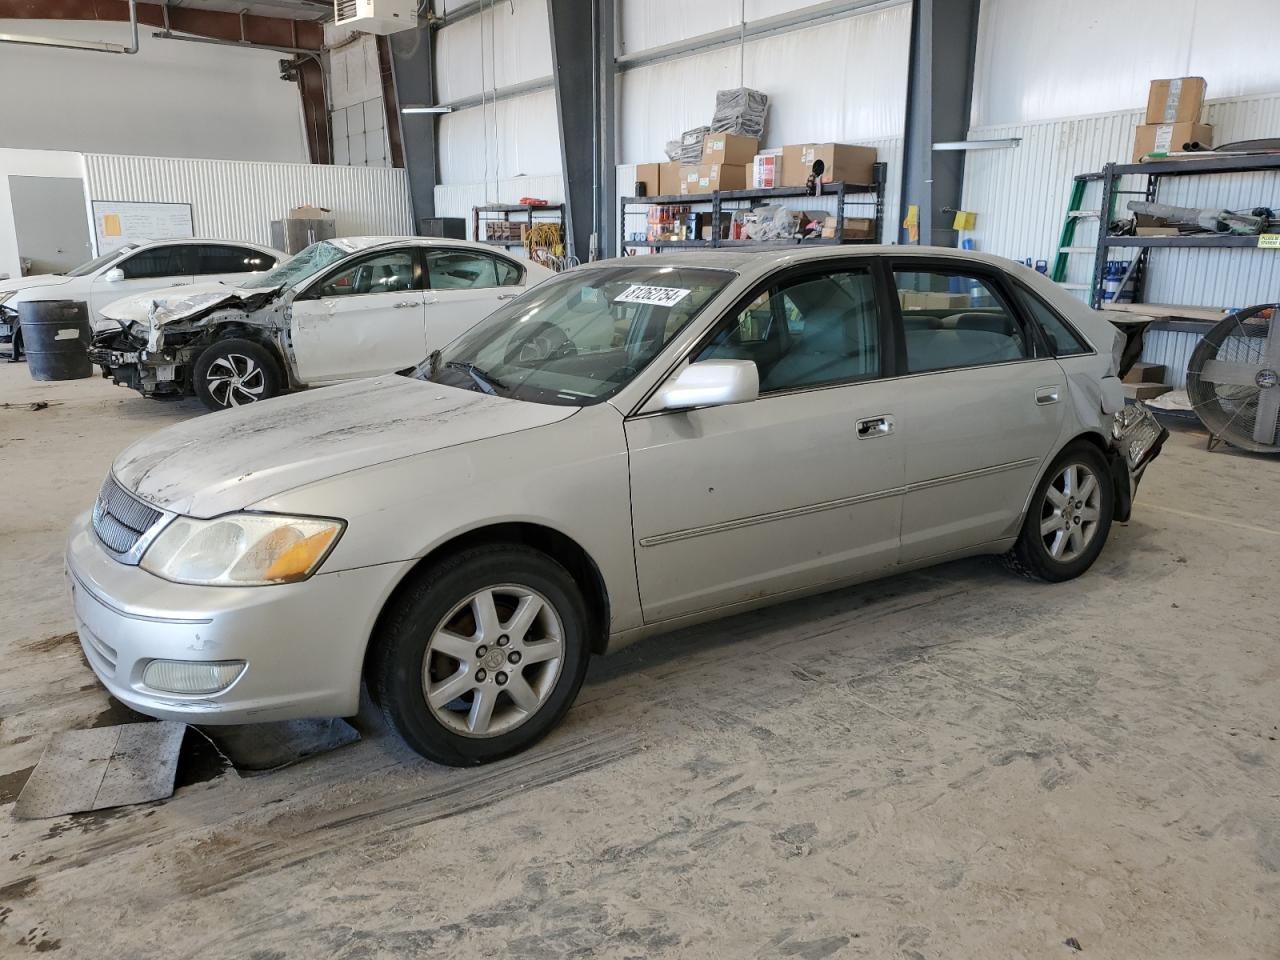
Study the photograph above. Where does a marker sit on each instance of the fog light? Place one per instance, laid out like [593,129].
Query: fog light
[187,676]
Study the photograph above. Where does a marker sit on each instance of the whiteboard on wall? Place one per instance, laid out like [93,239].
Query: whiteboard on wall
[117,222]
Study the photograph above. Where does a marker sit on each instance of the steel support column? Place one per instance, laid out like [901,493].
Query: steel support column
[944,37]
[412,71]
[583,64]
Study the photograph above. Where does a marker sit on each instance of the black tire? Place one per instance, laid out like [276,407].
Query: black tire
[1032,556]
[398,658]
[262,379]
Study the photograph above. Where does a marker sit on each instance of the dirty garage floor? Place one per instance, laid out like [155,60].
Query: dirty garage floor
[950,764]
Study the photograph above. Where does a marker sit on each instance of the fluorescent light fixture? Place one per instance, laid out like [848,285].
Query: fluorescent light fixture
[978,144]
[426,109]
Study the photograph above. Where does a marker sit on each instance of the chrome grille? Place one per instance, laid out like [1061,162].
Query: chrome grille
[119,519]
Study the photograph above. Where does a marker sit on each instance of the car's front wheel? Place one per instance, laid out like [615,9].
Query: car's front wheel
[232,373]
[482,655]
[1069,517]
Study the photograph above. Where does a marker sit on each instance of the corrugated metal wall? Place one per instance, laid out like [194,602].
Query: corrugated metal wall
[234,200]
[1020,195]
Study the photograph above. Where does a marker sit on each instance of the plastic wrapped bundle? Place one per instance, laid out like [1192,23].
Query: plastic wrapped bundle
[674,151]
[741,111]
[691,145]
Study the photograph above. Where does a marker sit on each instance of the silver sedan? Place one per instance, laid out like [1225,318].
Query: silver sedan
[630,447]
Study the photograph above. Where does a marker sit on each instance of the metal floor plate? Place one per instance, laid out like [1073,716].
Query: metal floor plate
[105,767]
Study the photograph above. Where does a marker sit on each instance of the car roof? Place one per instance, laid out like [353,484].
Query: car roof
[139,244]
[746,259]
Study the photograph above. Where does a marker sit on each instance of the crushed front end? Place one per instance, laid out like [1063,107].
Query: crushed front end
[157,366]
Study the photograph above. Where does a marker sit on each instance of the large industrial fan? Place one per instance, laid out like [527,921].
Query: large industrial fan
[1233,379]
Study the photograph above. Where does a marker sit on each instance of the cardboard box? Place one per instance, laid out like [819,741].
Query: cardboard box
[729,148]
[708,177]
[1144,391]
[1169,137]
[309,212]
[855,228]
[1145,373]
[650,175]
[914,300]
[840,161]
[668,179]
[766,171]
[1146,225]
[1179,100]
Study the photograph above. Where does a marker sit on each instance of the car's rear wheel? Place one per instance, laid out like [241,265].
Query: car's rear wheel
[1069,518]
[482,655]
[233,373]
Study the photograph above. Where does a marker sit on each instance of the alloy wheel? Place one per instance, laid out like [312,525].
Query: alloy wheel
[1070,512]
[493,661]
[235,379]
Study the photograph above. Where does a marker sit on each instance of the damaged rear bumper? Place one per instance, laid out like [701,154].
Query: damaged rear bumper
[1136,440]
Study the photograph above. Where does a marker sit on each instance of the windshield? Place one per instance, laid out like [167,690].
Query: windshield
[98,262]
[306,263]
[579,338]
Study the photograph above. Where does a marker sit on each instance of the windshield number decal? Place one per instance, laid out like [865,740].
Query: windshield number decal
[657,296]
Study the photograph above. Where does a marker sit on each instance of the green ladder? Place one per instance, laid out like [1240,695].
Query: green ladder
[1075,213]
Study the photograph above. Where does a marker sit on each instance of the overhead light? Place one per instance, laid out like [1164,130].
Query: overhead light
[978,144]
[426,109]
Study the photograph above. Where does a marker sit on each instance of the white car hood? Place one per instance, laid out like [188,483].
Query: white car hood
[39,280]
[232,459]
[177,303]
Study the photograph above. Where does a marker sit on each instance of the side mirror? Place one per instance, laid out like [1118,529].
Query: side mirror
[712,383]
[114,275]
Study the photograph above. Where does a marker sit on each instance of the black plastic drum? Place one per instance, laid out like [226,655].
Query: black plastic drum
[55,339]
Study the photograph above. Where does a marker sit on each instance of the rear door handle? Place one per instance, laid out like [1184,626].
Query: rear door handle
[403,304]
[880,426]
[507,296]
[1047,395]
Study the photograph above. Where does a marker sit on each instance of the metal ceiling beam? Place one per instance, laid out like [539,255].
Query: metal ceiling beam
[413,81]
[754,30]
[215,24]
[584,68]
[944,40]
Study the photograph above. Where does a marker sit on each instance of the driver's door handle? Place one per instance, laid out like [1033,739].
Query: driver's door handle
[404,304]
[875,427]
[507,296]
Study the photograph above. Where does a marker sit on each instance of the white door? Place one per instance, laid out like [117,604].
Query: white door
[979,411]
[361,319]
[166,265]
[464,287]
[800,487]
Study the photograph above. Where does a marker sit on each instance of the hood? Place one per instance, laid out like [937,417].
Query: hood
[232,459]
[179,303]
[39,280]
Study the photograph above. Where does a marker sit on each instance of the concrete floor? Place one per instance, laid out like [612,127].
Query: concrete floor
[949,764]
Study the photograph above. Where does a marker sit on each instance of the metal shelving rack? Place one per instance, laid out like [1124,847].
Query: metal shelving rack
[1155,171]
[846,194]
[551,213]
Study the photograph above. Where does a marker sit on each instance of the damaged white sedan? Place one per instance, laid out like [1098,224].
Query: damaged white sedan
[632,446]
[338,310]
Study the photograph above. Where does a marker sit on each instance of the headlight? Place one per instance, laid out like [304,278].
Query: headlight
[241,550]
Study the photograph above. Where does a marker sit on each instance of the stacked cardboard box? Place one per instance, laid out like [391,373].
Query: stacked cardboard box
[1173,118]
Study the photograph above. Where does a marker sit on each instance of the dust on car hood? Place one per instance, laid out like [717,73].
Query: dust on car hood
[170,304]
[233,459]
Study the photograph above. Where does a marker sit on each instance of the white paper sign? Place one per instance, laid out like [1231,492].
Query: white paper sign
[657,296]
[119,222]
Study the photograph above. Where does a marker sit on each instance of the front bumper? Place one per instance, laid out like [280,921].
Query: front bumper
[303,643]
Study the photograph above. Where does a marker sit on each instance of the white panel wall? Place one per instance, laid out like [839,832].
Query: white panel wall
[507,44]
[645,24]
[1043,59]
[170,99]
[515,137]
[238,201]
[844,81]
[1021,194]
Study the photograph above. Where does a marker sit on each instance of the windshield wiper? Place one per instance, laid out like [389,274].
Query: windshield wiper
[484,380]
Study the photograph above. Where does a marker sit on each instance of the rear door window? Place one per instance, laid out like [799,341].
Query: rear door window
[952,320]
[156,262]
